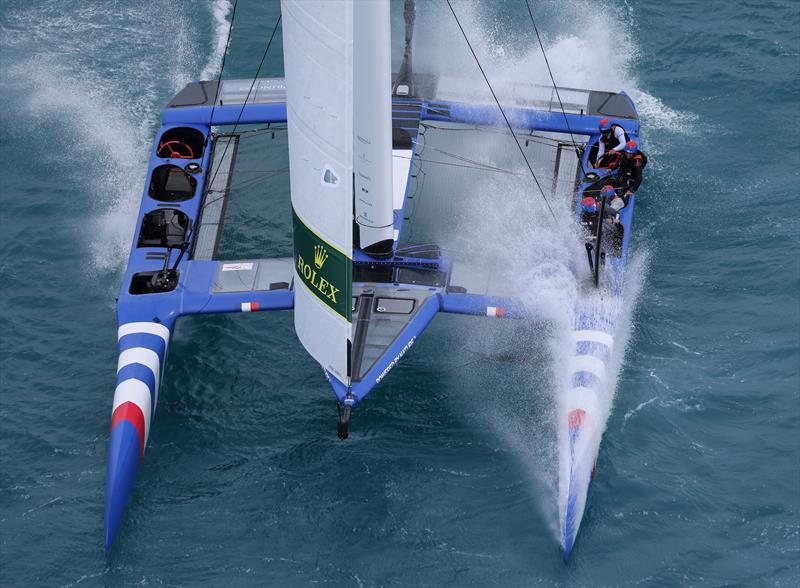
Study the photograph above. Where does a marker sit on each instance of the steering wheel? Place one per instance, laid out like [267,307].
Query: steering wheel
[177,150]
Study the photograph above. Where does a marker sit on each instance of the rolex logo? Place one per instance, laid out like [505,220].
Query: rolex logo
[320,256]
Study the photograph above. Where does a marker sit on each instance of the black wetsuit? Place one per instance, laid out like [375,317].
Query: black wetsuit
[610,157]
[630,171]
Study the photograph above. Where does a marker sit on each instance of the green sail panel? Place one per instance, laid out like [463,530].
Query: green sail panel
[325,271]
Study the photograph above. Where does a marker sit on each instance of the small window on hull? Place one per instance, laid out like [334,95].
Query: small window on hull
[165,227]
[171,184]
[142,283]
[181,143]
[371,273]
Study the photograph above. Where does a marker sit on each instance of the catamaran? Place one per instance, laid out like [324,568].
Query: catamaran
[361,292]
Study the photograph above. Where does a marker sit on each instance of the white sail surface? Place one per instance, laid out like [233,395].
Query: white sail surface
[372,142]
[318,62]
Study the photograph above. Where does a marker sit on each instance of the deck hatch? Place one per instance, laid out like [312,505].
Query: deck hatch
[394,305]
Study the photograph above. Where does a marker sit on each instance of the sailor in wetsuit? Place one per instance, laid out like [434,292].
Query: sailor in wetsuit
[613,231]
[614,202]
[612,141]
[590,208]
[630,168]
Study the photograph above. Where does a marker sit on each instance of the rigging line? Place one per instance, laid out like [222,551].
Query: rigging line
[538,139]
[262,171]
[259,131]
[247,97]
[244,104]
[474,162]
[466,159]
[253,181]
[477,167]
[505,118]
[529,138]
[193,224]
[555,87]
[224,55]
[476,128]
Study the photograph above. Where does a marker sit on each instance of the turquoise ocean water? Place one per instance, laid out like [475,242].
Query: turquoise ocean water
[445,480]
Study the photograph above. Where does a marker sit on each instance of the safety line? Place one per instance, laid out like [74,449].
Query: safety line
[241,112]
[502,112]
[555,87]
[244,104]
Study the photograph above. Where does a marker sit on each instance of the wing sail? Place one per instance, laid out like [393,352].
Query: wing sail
[318,61]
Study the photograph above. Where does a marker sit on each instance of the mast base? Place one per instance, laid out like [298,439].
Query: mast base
[381,249]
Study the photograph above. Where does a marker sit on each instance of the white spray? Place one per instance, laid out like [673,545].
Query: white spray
[500,220]
[92,83]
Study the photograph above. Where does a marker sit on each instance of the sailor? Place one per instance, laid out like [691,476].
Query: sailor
[631,167]
[613,231]
[612,141]
[614,203]
[589,210]
[611,214]
[589,206]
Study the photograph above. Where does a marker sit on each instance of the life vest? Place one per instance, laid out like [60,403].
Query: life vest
[612,140]
[639,159]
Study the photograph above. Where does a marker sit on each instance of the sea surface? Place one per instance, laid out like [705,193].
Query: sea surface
[448,476]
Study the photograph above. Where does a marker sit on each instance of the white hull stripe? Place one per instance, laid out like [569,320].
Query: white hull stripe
[594,337]
[583,397]
[151,328]
[137,392]
[583,390]
[144,356]
[591,364]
